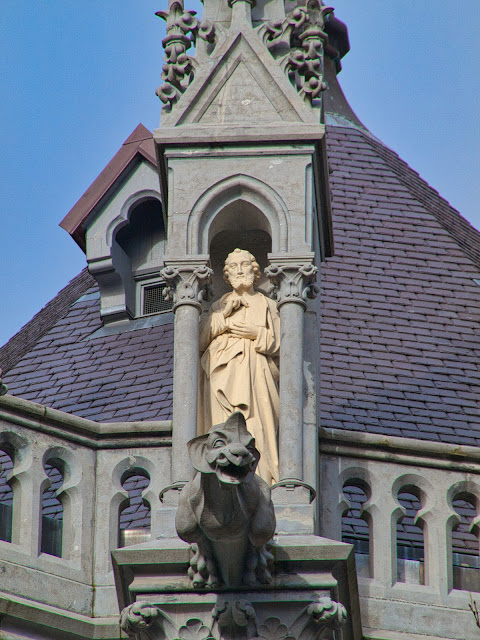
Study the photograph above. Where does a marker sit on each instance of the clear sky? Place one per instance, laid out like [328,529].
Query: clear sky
[77,77]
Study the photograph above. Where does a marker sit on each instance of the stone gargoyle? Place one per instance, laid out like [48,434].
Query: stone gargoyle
[226,512]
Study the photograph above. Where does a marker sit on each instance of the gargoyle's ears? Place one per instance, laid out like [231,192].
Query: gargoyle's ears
[236,421]
[197,451]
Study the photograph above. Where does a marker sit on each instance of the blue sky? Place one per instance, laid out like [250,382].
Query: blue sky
[78,77]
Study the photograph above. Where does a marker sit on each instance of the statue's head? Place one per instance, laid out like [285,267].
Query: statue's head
[241,269]
[228,450]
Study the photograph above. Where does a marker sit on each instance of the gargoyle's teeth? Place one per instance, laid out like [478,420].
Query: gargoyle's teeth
[234,472]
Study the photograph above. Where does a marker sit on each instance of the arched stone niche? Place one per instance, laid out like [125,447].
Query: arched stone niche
[240,211]
[142,235]
[238,225]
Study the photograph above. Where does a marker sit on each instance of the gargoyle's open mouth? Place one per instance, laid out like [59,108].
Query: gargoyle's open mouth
[234,474]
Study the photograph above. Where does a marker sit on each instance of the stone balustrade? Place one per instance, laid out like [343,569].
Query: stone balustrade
[76,490]
[412,507]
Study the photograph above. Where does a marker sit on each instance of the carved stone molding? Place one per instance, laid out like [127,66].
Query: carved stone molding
[292,281]
[234,619]
[298,42]
[183,28]
[188,283]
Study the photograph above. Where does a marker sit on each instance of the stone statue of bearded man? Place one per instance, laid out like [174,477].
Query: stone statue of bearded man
[240,340]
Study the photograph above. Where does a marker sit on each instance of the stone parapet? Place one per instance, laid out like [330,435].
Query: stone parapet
[409,507]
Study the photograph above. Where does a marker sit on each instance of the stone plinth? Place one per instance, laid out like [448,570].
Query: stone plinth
[313,594]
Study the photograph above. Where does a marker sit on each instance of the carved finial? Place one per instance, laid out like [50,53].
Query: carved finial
[182,30]
[298,42]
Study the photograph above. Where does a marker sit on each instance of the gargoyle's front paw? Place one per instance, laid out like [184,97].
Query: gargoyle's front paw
[260,565]
[202,570]
[250,575]
[213,581]
[197,581]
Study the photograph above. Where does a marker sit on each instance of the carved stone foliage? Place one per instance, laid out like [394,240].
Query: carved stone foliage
[326,612]
[297,42]
[234,619]
[292,282]
[183,28]
[137,617]
[187,284]
[194,629]
[273,629]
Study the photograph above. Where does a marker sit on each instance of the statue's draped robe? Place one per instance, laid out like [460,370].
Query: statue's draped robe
[239,374]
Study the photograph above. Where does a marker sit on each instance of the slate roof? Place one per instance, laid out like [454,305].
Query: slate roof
[400,316]
[27,337]
[401,308]
[112,378]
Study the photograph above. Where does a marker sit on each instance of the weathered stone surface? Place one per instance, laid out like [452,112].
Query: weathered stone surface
[226,510]
[303,600]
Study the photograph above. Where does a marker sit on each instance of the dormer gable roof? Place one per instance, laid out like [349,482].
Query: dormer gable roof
[138,143]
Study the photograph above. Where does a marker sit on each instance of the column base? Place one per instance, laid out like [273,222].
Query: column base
[295,507]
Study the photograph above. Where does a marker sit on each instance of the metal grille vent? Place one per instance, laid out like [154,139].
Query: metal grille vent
[154,299]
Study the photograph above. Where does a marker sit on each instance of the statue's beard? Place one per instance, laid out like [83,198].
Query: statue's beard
[242,281]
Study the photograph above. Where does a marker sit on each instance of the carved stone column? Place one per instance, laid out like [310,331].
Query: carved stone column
[187,281]
[292,278]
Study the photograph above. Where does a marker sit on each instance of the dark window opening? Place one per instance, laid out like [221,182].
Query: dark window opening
[52,513]
[410,540]
[6,497]
[134,514]
[355,526]
[465,545]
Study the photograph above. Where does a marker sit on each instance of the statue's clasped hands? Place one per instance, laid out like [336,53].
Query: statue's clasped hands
[240,329]
[237,328]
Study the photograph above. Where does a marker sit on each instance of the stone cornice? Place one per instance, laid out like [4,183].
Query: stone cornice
[408,451]
[97,435]
[21,609]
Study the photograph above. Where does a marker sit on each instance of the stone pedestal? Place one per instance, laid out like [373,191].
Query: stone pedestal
[313,594]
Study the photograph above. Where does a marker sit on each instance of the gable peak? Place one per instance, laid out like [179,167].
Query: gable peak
[293,42]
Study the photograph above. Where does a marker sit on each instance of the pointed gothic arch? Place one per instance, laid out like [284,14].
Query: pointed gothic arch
[263,204]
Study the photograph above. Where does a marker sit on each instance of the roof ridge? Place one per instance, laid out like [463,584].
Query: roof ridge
[458,227]
[137,140]
[139,134]
[133,145]
[25,339]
